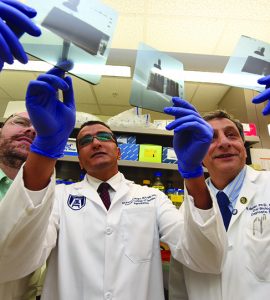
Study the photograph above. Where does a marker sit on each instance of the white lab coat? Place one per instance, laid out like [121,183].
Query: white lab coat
[15,289]
[246,272]
[25,288]
[100,254]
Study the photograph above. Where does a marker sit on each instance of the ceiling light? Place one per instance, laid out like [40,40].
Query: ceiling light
[103,70]
[231,79]
[268,127]
[41,66]
[240,80]
[35,66]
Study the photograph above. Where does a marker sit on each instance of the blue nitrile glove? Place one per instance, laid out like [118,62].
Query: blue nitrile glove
[265,95]
[192,137]
[53,120]
[15,20]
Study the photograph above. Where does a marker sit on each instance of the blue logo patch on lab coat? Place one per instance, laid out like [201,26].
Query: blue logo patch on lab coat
[76,202]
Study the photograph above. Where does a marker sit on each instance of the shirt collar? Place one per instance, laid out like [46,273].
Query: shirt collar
[2,175]
[232,190]
[4,178]
[113,181]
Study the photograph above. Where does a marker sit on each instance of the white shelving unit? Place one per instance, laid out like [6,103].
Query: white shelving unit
[152,136]
[143,135]
[131,163]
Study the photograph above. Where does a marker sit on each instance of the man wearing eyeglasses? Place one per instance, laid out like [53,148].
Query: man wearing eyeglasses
[17,133]
[102,235]
[98,151]
[16,136]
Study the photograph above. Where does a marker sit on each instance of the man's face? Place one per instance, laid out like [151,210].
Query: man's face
[227,154]
[98,157]
[16,136]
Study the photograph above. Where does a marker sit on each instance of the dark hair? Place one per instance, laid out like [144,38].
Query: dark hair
[222,114]
[91,123]
[11,116]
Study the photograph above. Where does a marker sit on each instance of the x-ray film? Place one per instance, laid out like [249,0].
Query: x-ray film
[251,60]
[157,78]
[256,65]
[77,30]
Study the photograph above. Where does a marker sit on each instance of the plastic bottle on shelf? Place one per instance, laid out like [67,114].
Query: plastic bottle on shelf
[178,197]
[170,190]
[157,182]
[147,182]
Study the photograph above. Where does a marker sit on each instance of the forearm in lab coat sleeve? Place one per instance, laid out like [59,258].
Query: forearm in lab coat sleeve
[28,230]
[202,243]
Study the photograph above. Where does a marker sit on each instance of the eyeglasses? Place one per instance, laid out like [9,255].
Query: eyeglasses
[21,122]
[101,136]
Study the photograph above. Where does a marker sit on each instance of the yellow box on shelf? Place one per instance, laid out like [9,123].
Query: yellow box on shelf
[150,153]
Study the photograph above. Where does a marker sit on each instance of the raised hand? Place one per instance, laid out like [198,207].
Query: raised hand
[192,137]
[53,120]
[15,20]
[265,95]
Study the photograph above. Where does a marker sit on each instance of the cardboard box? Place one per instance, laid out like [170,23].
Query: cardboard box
[125,139]
[70,148]
[150,153]
[168,155]
[249,129]
[161,124]
[129,151]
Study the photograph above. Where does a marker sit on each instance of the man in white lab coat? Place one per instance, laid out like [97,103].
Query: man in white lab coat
[99,250]
[17,132]
[16,136]
[246,273]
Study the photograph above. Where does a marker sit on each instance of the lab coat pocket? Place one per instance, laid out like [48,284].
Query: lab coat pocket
[258,247]
[138,231]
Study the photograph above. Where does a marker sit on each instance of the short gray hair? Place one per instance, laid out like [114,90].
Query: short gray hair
[222,114]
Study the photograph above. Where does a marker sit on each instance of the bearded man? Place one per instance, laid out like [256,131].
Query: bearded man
[16,136]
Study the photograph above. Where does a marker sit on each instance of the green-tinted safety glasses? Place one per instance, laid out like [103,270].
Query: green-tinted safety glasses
[101,136]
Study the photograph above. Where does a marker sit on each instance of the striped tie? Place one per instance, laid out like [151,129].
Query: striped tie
[103,191]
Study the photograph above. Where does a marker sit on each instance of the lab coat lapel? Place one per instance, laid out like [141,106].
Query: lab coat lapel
[85,189]
[246,195]
[121,192]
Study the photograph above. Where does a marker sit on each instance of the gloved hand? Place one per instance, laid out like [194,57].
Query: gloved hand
[53,120]
[265,95]
[192,137]
[15,20]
